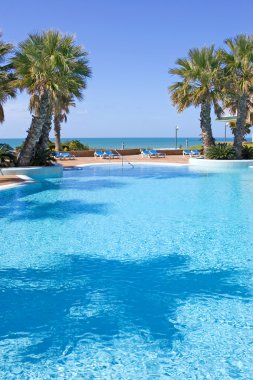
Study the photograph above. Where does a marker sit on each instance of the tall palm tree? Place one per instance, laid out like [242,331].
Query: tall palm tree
[7,77]
[61,110]
[197,86]
[49,66]
[238,83]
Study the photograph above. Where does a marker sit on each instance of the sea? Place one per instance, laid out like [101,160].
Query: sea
[126,142]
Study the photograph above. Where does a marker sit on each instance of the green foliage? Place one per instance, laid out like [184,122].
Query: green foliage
[246,128]
[51,145]
[53,62]
[7,155]
[248,143]
[74,145]
[247,152]
[7,77]
[198,74]
[238,70]
[6,148]
[69,145]
[43,158]
[195,147]
[19,147]
[221,151]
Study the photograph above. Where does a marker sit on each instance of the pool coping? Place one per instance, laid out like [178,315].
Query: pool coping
[131,163]
[34,171]
[25,181]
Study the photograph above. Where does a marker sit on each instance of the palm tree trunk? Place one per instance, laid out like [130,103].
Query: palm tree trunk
[1,113]
[57,133]
[205,125]
[34,132]
[42,144]
[239,130]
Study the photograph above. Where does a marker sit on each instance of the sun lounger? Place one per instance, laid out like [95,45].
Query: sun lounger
[67,156]
[195,153]
[145,153]
[99,153]
[64,156]
[56,154]
[154,153]
[187,152]
[110,154]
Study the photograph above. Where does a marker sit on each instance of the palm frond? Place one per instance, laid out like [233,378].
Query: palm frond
[52,62]
[198,75]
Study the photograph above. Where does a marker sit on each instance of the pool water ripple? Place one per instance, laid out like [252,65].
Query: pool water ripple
[141,273]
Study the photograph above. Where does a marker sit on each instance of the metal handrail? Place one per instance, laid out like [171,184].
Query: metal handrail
[122,159]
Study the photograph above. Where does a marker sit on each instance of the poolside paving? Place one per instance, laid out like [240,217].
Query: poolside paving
[9,180]
[177,159]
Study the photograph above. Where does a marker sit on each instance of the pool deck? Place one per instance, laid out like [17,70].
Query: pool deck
[134,159]
[10,180]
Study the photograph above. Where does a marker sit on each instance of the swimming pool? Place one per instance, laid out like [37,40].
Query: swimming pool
[141,273]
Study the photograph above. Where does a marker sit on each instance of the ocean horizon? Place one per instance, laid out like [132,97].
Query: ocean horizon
[126,142]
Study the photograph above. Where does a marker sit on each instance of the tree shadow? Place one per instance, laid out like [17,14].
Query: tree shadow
[16,205]
[57,210]
[91,297]
[12,195]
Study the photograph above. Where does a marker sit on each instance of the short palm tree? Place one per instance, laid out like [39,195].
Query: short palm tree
[7,78]
[48,66]
[197,86]
[238,83]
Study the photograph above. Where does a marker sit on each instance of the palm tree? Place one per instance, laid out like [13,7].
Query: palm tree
[49,66]
[61,110]
[7,78]
[238,83]
[198,74]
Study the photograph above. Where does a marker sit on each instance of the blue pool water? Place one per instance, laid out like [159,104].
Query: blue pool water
[141,273]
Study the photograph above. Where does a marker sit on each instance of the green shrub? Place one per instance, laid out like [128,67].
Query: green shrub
[19,147]
[7,155]
[73,145]
[195,147]
[221,151]
[65,146]
[248,143]
[43,159]
[51,145]
[247,152]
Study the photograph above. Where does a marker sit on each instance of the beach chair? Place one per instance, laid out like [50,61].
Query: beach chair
[99,153]
[195,153]
[145,153]
[154,153]
[110,154]
[64,156]
[187,152]
[67,156]
[56,154]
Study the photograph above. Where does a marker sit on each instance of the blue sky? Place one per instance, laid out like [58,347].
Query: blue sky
[131,45]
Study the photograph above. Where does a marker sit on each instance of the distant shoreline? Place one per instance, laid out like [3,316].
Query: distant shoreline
[127,142]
